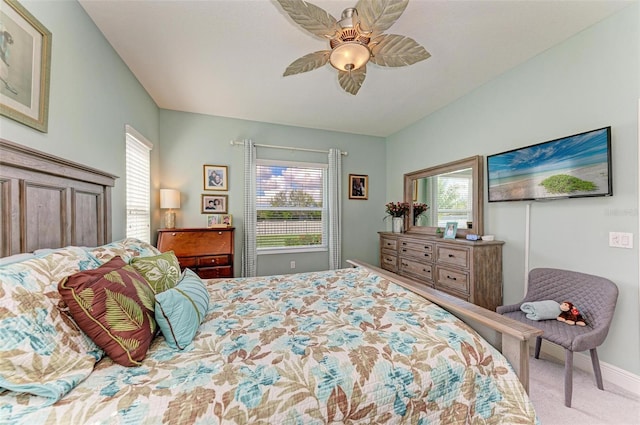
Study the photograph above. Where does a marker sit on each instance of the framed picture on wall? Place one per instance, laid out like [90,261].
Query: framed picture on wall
[358,186]
[25,65]
[215,177]
[214,204]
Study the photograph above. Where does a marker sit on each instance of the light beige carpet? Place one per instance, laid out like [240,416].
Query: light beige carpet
[589,406]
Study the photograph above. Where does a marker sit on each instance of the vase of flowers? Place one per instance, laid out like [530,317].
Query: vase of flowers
[397,211]
[418,209]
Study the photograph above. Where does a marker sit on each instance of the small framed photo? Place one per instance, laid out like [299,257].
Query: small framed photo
[215,177]
[450,230]
[219,220]
[214,204]
[358,186]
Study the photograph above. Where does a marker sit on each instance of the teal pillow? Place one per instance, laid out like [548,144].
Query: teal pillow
[181,309]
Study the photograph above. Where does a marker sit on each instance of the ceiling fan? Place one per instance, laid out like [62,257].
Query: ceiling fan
[354,40]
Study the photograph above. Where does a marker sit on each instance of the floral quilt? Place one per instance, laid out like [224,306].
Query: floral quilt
[345,346]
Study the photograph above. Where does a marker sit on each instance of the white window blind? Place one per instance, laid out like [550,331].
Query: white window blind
[454,199]
[290,205]
[138,176]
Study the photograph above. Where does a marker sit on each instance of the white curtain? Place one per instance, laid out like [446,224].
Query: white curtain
[334,191]
[249,257]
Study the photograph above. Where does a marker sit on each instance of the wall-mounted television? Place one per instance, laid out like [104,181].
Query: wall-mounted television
[571,167]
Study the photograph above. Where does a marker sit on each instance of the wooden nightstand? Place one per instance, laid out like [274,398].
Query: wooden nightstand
[208,252]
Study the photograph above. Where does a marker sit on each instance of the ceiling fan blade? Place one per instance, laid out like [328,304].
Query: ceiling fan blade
[352,81]
[396,50]
[378,15]
[311,17]
[308,62]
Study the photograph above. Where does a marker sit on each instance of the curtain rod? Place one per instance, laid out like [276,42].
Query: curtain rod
[289,148]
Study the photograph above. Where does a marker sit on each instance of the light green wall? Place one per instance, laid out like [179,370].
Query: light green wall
[589,81]
[92,96]
[190,140]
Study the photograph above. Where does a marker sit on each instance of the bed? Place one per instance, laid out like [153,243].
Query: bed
[356,345]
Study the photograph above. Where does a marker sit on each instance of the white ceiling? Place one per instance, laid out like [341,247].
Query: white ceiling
[226,57]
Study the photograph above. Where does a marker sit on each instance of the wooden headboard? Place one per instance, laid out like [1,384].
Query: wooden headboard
[49,202]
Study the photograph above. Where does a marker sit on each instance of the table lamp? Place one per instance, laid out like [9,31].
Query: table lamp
[169,198]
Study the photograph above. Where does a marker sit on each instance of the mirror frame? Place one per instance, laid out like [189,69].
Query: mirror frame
[475,163]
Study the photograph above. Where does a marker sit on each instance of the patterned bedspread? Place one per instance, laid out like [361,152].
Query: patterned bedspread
[312,348]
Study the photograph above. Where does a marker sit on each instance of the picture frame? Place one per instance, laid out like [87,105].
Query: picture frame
[358,186]
[24,79]
[216,204]
[219,220]
[450,230]
[215,177]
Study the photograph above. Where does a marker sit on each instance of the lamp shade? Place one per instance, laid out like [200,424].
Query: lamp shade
[169,198]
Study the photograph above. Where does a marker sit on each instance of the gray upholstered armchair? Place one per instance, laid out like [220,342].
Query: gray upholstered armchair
[596,298]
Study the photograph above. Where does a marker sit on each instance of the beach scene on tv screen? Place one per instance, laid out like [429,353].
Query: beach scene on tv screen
[573,166]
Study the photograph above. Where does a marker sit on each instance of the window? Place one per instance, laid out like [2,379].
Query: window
[454,199]
[290,203]
[138,178]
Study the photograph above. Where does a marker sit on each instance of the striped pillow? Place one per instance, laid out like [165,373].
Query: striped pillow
[180,310]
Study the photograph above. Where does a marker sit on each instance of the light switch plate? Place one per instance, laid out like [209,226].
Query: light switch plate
[621,240]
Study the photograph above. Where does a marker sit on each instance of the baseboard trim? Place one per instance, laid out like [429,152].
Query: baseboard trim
[610,373]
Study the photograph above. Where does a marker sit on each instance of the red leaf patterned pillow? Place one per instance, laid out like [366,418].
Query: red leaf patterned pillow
[114,306]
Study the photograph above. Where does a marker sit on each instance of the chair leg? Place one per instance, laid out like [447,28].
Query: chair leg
[568,377]
[596,368]
[538,345]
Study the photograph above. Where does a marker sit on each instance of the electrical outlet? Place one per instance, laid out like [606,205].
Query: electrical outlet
[293,264]
[621,240]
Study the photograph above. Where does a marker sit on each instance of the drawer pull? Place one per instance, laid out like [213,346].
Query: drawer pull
[173,234]
[404,249]
[219,233]
[426,254]
[425,270]
[404,243]
[452,278]
[451,255]
[388,243]
[213,261]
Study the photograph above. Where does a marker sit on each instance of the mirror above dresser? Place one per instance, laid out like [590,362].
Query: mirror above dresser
[453,192]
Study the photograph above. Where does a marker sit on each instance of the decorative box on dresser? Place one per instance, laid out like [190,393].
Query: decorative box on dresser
[208,251]
[470,270]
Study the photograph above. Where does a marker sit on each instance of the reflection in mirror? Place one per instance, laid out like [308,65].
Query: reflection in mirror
[453,192]
[448,196]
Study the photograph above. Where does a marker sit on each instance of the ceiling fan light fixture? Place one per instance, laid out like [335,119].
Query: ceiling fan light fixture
[349,56]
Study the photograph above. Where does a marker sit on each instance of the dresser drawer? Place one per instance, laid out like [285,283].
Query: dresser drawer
[420,255]
[215,272]
[416,246]
[389,262]
[213,260]
[188,262]
[455,256]
[386,243]
[453,279]
[421,270]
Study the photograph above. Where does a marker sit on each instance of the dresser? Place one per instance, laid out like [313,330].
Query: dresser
[208,252]
[470,270]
